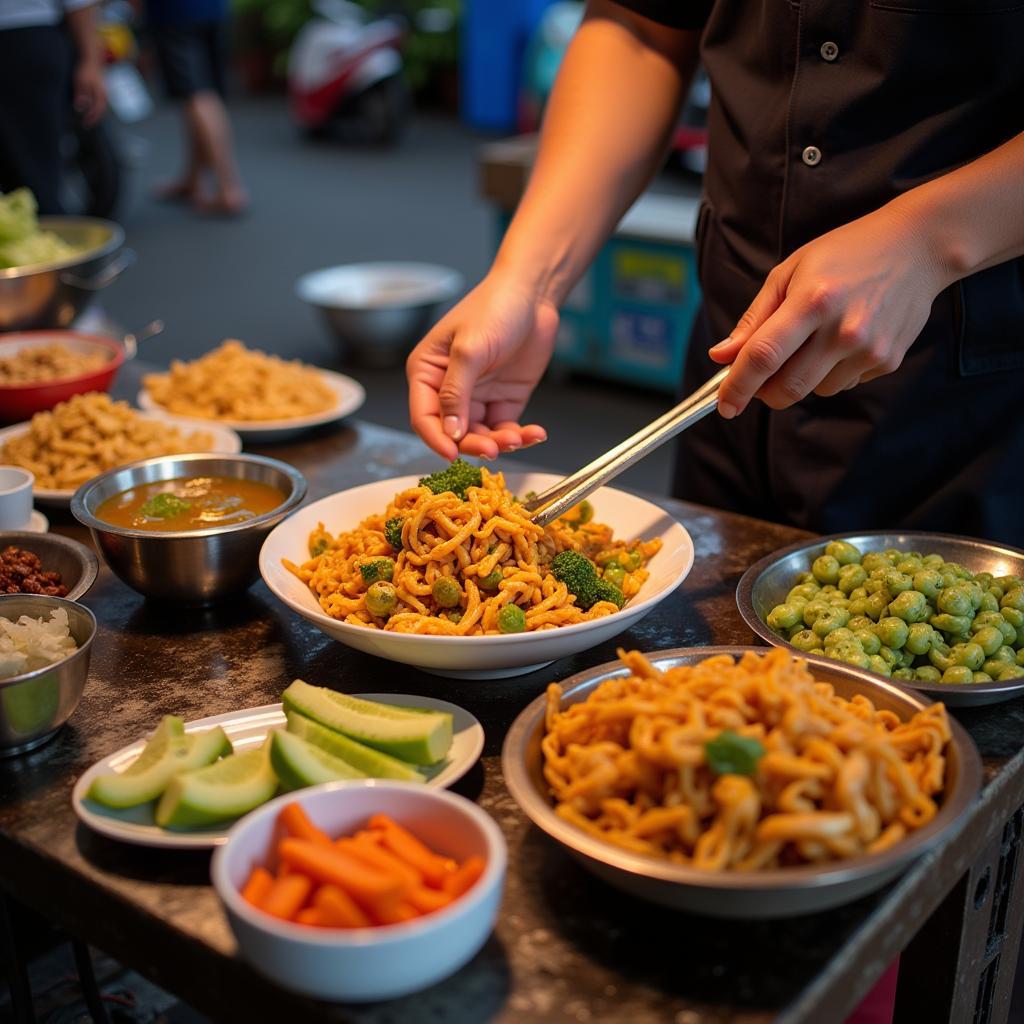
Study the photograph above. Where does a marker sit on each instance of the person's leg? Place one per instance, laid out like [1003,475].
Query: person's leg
[186,188]
[209,116]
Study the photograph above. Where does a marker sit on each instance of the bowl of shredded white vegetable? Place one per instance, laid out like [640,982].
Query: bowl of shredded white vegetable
[45,644]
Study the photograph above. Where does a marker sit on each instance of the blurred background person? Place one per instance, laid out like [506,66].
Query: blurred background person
[191,39]
[42,73]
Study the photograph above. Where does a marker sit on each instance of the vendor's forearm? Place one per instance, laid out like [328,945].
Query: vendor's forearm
[973,216]
[611,115]
[82,25]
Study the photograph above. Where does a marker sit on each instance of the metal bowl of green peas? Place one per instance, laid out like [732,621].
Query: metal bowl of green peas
[936,613]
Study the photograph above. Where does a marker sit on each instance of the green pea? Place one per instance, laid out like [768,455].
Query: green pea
[989,602]
[1013,599]
[949,578]
[969,654]
[892,632]
[957,674]
[806,577]
[852,656]
[616,574]
[928,582]
[896,582]
[875,560]
[997,591]
[889,656]
[813,609]
[1014,616]
[878,664]
[803,591]
[492,581]
[856,593]
[381,598]
[909,606]
[927,674]
[839,636]
[995,619]
[859,622]
[869,641]
[843,553]
[957,569]
[876,605]
[989,639]
[939,656]
[805,640]
[875,586]
[1005,653]
[955,600]
[511,619]
[981,677]
[1009,582]
[904,674]
[851,577]
[1011,672]
[932,561]
[832,619]
[825,569]
[919,638]
[455,615]
[983,579]
[910,565]
[1020,657]
[820,651]
[858,606]
[630,561]
[446,591]
[838,599]
[953,625]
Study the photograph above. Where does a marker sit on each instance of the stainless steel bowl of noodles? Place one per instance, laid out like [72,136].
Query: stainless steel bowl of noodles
[839,800]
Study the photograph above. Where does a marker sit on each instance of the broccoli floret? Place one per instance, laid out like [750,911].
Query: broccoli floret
[577,572]
[455,478]
[607,591]
[393,532]
[378,569]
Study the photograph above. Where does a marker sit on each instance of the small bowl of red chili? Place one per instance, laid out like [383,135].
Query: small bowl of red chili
[46,564]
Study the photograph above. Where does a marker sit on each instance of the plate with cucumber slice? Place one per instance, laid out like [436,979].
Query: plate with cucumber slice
[186,784]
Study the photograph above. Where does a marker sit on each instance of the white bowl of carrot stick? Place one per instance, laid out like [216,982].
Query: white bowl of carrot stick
[363,890]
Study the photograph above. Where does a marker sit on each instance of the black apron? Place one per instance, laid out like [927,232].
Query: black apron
[820,113]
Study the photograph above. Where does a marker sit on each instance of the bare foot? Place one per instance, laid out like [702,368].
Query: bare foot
[222,204]
[177,191]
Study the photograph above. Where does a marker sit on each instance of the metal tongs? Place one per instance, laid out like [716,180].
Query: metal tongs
[557,500]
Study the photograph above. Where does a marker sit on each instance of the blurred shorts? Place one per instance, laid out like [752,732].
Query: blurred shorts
[193,57]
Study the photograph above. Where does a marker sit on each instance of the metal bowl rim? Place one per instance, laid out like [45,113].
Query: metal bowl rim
[81,512]
[83,648]
[745,602]
[114,363]
[87,557]
[804,877]
[112,244]
[442,289]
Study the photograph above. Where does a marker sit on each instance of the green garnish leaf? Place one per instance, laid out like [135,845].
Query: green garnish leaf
[731,754]
[165,506]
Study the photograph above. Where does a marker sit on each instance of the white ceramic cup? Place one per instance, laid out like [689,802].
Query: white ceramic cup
[15,497]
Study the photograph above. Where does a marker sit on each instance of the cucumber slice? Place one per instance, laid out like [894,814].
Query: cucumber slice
[173,753]
[299,764]
[419,736]
[374,763]
[219,792]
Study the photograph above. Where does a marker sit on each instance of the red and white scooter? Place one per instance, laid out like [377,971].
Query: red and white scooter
[345,71]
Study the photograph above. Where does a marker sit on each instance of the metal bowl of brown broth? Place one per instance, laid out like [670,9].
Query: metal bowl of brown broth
[769,893]
[187,558]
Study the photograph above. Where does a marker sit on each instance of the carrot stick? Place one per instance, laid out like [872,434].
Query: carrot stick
[338,909]
[296,823]
[396,914]
[286,896]
[256,888]
[311,916]
[404,844]
[376,856]
[426,901]
[370,887]
[465,877]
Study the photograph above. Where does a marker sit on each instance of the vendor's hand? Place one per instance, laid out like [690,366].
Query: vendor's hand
[839,311]
[471,377]
[90,92]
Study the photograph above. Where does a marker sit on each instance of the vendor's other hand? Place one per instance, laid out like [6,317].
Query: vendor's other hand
[839,311]
[471,377]
[90,92]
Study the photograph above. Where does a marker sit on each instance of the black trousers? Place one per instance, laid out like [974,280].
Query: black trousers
[938,445]
[35,71]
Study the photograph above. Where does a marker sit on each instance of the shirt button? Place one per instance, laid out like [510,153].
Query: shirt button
[829,51]
[811,156]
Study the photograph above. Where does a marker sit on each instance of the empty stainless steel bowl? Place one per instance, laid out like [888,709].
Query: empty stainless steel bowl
[378,311]
[75,562]
[34,705]
[193,566]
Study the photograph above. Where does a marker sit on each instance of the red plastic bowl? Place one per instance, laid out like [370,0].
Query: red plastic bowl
[21,401]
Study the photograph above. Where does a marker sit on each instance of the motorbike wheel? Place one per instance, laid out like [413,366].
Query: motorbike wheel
[384,111]
[92,172]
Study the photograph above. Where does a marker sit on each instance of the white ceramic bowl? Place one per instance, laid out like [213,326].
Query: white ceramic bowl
[366,963]
[477,657]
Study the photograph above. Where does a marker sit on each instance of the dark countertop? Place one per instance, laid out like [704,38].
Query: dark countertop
[567,948]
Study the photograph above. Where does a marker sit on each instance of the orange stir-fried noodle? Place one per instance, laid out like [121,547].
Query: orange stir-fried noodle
[467,541]
[836,778]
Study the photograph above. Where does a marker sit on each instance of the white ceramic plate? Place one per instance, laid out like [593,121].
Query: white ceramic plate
[247,729]
[349,395]
[477,657]
[224,440]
